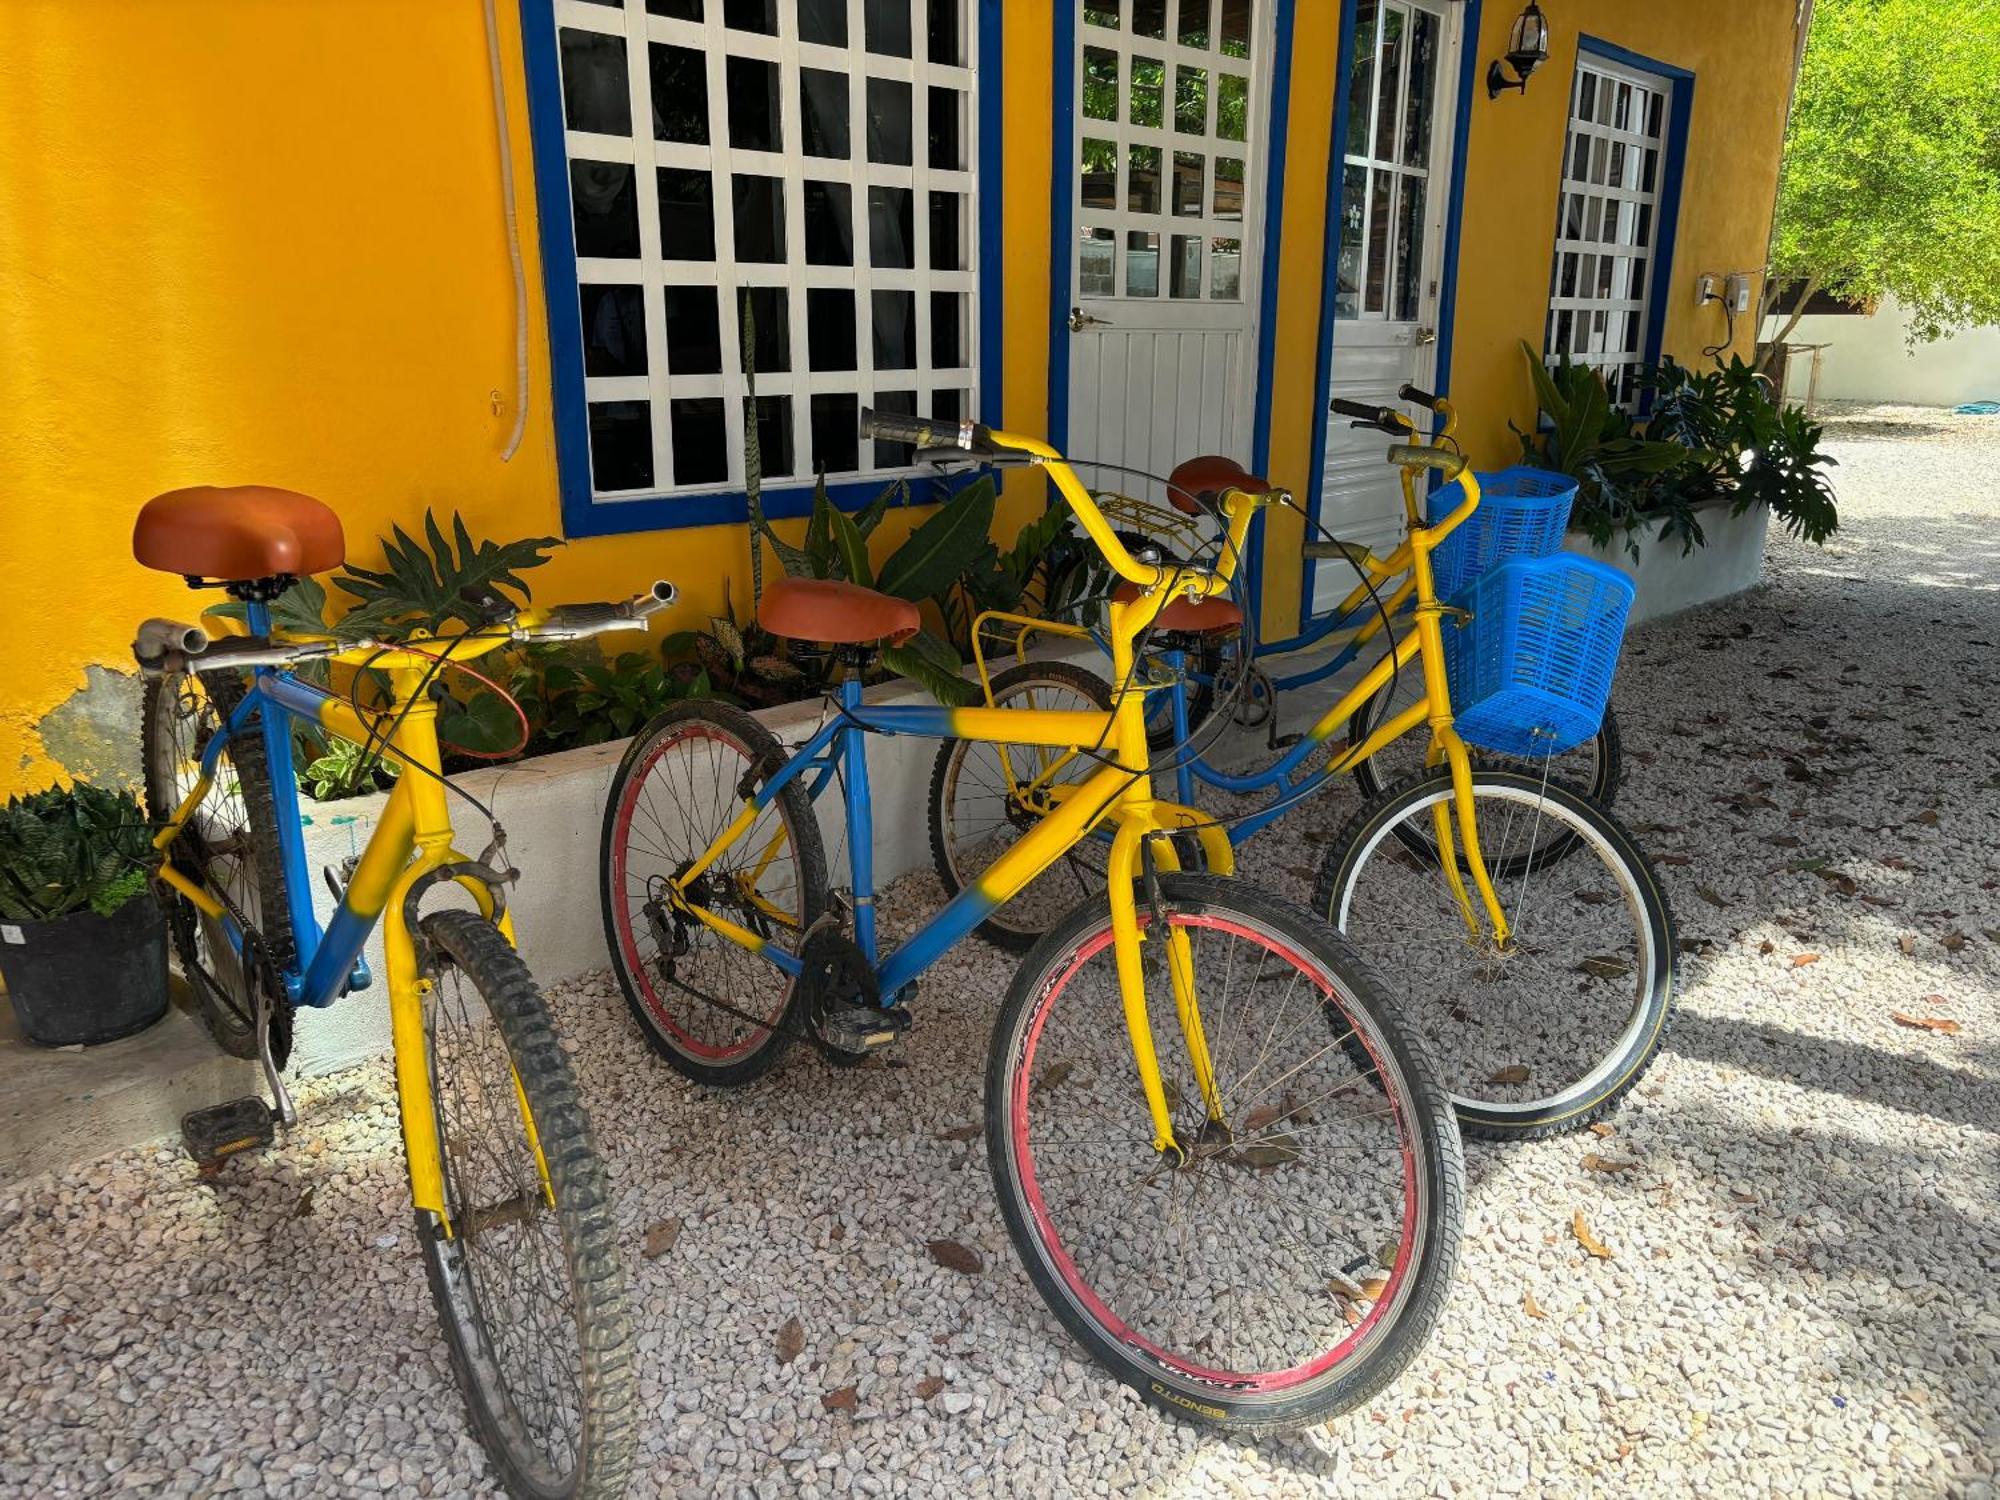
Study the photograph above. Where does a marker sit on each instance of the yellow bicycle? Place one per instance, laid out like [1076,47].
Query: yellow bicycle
[1223,1161]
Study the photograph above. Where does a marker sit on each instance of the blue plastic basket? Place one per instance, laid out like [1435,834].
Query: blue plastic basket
[1531,671]
[1522,512]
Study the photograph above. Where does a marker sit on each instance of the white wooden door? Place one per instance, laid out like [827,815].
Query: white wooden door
[1165,186]
[1394,196]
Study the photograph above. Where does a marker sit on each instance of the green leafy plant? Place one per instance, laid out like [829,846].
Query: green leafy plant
[68,848]
[344,771]
[574,696]
[424,584]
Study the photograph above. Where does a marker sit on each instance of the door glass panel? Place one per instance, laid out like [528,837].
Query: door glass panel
[1194,23]
[1149,83]
[1097,265]
[1184,275]
[1142,263]
[1235,28]
[1410,249]
[1191,101]
[1142,180]
[1101,13]
[1381,220]
[1100,173]
[1228,202]
[1149,19]
[1353,221]
[1100,83]
[1386,98]
[1187,183]
[1361,78]
[1422,101]
[1232,107]
[1225,271]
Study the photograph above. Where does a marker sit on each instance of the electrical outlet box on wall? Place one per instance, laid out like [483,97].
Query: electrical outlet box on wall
[1736,292]
[1704,289]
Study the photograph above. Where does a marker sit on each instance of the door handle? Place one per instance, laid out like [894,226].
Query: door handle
[1426,336]
[1080,320]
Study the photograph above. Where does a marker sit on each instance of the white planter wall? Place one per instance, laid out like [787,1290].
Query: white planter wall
[553,810]
[1669,582]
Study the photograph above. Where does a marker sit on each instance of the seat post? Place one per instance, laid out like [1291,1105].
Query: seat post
[860,809]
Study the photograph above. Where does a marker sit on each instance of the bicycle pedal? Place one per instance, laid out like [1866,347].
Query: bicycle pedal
[215,1134]
[859,1030]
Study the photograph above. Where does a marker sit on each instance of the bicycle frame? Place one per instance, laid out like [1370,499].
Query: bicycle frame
[411,843]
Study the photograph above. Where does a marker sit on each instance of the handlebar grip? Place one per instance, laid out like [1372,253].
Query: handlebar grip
[923,432]
[1422,456]
[1359,409]
[1417,396]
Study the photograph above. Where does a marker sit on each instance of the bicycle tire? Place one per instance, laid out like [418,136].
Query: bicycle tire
[1431,1166]
[642,980]
[1455,1037]
[1014,926]
[577,1198]
[231,1021]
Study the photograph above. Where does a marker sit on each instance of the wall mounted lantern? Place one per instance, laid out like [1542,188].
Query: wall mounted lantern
[1527,50]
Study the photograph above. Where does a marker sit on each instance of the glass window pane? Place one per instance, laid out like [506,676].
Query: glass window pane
[829,224]
[1098,178]
[605,208]
[949,406]
[1100,83]
[823,22]
[892,228]
[1410,251]
[823,114]
[947,330]
[701,440]
[1353,224]
[948,232]
[1235,28]
[830,328]
[945,44]
[1097,265]
[679,10]
[895,455]
[947,151]
[1191,101]
[1142,263]
[760,218]
[753,105]
[1189,167]
[774,436]
[1101,13]
[1361,77]
[1232,107]
[1422,102]
[1381,219]
[1149,83]
[596,90]
[886,27]
[687,214]
[614,329]
[694,338]
[1142,179]
[1184,266]
[751,15]
[889,121]
[621,445]
[1194,23]
[895,330]
[1586,93]
[836,433]
[1228,202]
[1387,96]
[1225,270]
[1149,19]
[680,94]
[768,308]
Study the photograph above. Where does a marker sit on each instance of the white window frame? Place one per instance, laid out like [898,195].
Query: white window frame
[1614,269]
[659,386]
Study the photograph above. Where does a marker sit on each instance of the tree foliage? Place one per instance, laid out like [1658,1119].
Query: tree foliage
[1891,181]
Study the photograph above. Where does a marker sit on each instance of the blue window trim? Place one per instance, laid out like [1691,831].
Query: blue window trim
[1062,136]
[1673,162]
[1468,68]
[584,516]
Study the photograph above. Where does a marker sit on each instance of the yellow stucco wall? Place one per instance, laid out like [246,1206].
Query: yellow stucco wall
[263,242]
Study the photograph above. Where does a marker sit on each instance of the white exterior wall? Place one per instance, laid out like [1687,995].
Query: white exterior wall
[1868,360]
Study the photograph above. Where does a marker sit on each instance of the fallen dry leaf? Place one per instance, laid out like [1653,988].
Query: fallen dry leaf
[1953,941]
[791,1341]
[1675,859]
[1800,960]
[962,1133]
[660,1238]
[956,1257]
[1604,966]
[1709,895]
[837,1233]
[929,1386]
[1908,944]
[305,1204]
[1926,1023]
[1601,1130]
[1053,1075]
[1592,1162]
[1261,1116]
[1512,1073]
[1767,946]
[1531,1307]
[1592,1245]
[845,1399]
[1928,817]
[1373,1287]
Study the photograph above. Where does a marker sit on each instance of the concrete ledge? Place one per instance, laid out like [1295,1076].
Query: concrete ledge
[1669,582]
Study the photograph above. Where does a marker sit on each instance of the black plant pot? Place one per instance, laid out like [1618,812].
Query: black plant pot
[86,978]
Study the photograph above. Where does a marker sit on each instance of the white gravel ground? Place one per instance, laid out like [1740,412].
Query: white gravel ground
[1800,1300]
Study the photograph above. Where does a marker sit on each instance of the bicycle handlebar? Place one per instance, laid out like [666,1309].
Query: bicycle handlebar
[925,432]
[1417,396]
[572,622]
[1381,418]
[1422,456]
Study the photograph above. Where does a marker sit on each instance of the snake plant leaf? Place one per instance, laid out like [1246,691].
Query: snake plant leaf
[934,666]
[870,516]
[940,549]
[852,548]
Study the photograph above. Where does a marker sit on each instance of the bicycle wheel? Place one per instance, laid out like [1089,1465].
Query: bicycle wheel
[981,805]
[716,1011]
[229,846]
[1592,768]
[1547,1035]
[1299,1255]
[529,1286]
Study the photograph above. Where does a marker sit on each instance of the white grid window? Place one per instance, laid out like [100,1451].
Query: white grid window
[813,157]
[1162,145]
[1607,222]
